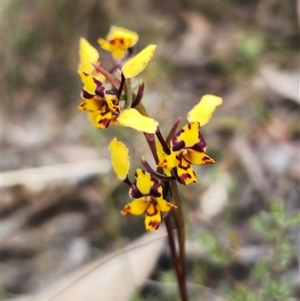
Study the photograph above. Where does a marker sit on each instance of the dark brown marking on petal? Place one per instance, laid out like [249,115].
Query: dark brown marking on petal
[104,109]
[154,224]
[105,122]
[135,192]
[181,160]
[200,145]
[82,105]
[155,211]
[154,188]
[126,209]
[154,201]
[208,160]
[177,145]
[100,89]
[186,177]
[86,95]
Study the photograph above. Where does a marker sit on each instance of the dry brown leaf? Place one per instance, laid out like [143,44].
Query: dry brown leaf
[112,278]
[39,177]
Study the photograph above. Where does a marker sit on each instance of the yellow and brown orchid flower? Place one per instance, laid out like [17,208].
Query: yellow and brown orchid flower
[119,42]
[102,108]
[148,199]
[187,147]
[146,190]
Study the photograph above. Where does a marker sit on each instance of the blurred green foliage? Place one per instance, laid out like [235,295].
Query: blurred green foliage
[265,282]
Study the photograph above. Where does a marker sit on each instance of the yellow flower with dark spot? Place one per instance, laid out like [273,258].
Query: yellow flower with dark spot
[118,41]
[103,108]
[187,148]
[147,194]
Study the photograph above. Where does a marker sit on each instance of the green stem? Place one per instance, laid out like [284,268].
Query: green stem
[128,93]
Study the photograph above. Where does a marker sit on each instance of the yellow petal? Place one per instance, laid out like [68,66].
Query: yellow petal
[118,41]
[104,44]
[88,55]
[119,158]
[153,218]
[136,207]
[164,206]
[130,37]
[99,76]
[162,156]
[132,118]
[188,136]
[92,104]
[93,117]
[89,84]
[169,161]
[101,118]
[138,63]
[112,102]
[159,149]
[198,158]
[105,116]
[202,112]
[144,183]
[185,172]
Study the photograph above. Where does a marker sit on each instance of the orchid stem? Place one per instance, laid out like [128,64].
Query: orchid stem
[178,258]
[181,240]
[128,93]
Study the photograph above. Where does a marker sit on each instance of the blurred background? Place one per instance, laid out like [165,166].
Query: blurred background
[60,197]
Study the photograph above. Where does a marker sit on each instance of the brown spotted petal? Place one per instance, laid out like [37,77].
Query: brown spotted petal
[200,146]
[145,185]
[198,158]
[187,137]
[86,95]
[185,172]
[153,217]
[100,89]
[104,117]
